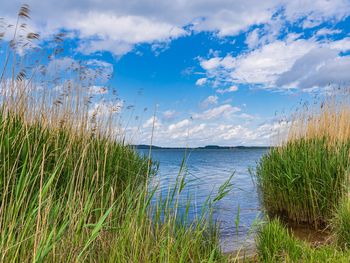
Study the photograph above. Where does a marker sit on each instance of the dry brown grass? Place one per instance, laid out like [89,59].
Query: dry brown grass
[328,119]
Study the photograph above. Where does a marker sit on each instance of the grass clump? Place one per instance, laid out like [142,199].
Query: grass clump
[59,190]
[305,178]
[275,243]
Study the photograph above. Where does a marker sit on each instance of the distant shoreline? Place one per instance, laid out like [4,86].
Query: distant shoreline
[208,147]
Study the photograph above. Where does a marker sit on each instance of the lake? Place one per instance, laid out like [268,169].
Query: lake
[207,170]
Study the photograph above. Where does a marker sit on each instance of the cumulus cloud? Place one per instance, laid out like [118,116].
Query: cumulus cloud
[169,115]
[233,88]
[253,39]
[152,122]
[320,67]
[247,117]
[284,64]
[273,132]
[327,31]
[225,110]
[220,125]
[201,81]
[341,45]
[211,100]
[305,66]
[316,12]
[179,125]
[211,64]
[221,132]
[260,66]
[129,29]
[119,34]
[117,26]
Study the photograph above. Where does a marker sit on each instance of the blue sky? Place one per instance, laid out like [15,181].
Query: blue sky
[212,72]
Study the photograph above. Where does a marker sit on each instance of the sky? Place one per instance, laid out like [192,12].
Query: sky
[194,73]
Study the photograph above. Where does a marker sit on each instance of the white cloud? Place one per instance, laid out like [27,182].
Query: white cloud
[211,100]
[284,64]
[130,29]
[327,31]
[225,110]
[263,65]
[331,70]
[340,45]
[169,115]
[152,122]
[316,11]
[220,133]
[116,47]
[320,67]
[228,18]
[201,128]
[197,128]
[119,34]
[304,66]
[179,125]
[117,26]
[233,88]
[247,116]
[273,132]
[201,81]
[100,63]
[210,64]
[234,131]
[253,38]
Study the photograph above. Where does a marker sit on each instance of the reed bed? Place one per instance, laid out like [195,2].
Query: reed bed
[305,178]
[70,198]
[70,189]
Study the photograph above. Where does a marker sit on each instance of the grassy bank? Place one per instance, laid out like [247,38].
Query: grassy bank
[70,190]
[306,181]
[275,243]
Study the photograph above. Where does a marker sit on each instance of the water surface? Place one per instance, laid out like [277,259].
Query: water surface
[207,170]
